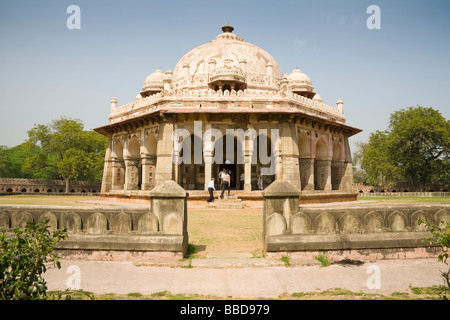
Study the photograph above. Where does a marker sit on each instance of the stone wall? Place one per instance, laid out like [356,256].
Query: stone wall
[113,228]
[344,227]
[400,188]
[16,185]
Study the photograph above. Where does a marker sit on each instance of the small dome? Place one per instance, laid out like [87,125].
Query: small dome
[153,83]
[318,98]
[300,84]
[298,76]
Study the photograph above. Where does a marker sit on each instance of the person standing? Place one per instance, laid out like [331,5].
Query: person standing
[226,184]
[242,178]
[221,174]
[260,182]
[211,190]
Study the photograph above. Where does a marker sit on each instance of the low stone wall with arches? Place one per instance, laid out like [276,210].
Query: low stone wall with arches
[159,228]
[17,185]
[289,227]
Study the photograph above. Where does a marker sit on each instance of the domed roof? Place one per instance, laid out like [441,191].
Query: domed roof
[317,97]
[154,81]
[298,76]
[230,54]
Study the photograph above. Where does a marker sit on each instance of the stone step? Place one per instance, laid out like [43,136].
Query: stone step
[225,199]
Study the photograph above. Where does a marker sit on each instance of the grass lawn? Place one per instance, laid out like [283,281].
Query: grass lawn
[414,293]
[31,199]
[240,230]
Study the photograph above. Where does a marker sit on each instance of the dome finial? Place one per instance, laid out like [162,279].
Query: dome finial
[227,28]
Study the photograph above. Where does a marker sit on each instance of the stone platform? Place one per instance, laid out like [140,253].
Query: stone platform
[252,198]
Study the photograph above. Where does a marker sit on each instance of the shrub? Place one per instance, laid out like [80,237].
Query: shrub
[441,234]
[23,259]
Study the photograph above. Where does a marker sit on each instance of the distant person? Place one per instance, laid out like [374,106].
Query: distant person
[211,190]
[221,174]
[242,178]
[226,184]
[260,182]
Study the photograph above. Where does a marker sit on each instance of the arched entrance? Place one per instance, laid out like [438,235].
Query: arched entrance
[264,164]
[191,175]
[232,159]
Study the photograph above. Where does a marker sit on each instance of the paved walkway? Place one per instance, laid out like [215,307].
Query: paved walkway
[230,277]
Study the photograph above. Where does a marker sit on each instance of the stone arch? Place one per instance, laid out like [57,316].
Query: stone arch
[52,220]
[192,169]
[4,220]
[19,219]
[228,154]
[321,149]
[325,223]
[304,146]
[134,148]
[349,223]
[97,223]
[118,150]
[151,144]
[264,158]
[442,215]
[373,222]
[275,224]
[397,221]
[173,224]
[337,151]
[300,223]
[72,222]
[148,223]
[420,214]
[121,223]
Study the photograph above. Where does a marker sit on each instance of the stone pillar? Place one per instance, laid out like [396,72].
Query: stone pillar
[307,173]
[169,206]
[131,174]
[107,179]
[347,174]
[248,158]
[289,154]
[323,175]
[148,172]
[281,200]
[337,170]
[208,167]
[118,174]
[164,170]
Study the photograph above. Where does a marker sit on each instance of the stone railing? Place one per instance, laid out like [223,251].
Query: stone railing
[288,227]
[161,228]
[144,105]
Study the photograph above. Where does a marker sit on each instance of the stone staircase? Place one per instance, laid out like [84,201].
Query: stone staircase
[228,202]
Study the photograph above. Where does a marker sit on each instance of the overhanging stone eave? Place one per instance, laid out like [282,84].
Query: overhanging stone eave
[137,121]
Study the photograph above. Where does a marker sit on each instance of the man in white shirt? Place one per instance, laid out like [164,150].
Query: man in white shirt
[226,184]
[211,190]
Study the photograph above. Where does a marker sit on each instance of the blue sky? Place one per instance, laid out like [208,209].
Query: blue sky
[48,71]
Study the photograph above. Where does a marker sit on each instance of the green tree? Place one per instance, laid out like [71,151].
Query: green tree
[414,150]
[67,150]
[420,145]
[12,160]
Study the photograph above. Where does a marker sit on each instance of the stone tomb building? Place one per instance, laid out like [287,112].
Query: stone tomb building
[227,90]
